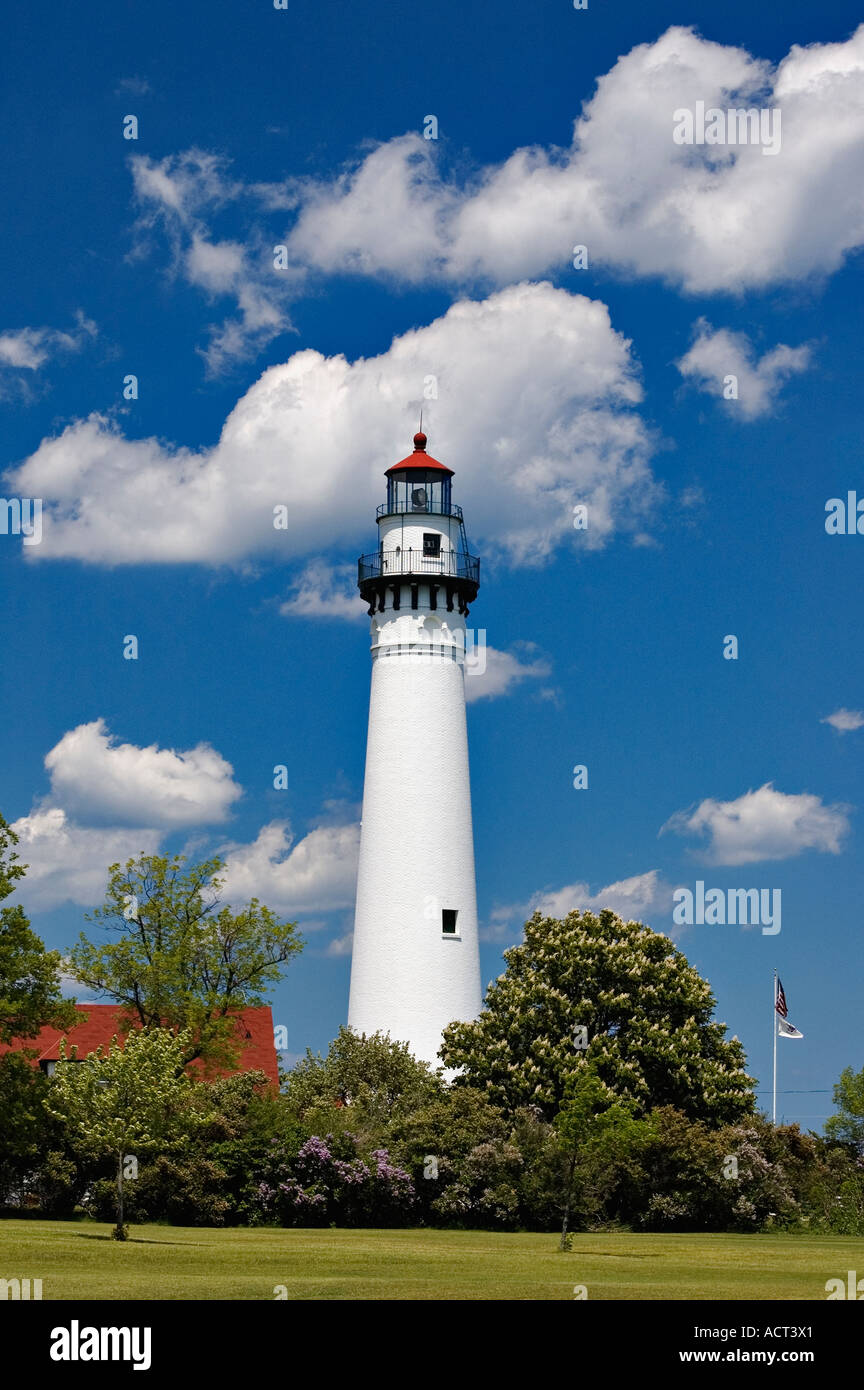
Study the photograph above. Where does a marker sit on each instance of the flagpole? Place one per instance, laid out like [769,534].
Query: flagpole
[774,1026]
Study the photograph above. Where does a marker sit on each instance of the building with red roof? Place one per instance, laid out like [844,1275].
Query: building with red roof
[102,1022]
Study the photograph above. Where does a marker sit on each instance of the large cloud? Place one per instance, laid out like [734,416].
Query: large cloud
[534,412]
[98,780]
[705,217]
[68,862]
[763,824]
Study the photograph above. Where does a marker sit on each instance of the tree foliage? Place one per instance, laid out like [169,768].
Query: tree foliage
[29,975]
[372,1075]
[24,1126]
[126,1100]
[847,1125]
[182,959]
[647,1014]
[593,1124]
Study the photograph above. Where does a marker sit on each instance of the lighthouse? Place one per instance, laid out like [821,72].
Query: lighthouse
[415,965]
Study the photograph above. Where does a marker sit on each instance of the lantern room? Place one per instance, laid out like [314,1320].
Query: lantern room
[418,483]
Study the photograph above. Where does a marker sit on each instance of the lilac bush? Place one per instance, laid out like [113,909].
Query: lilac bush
[329,1182]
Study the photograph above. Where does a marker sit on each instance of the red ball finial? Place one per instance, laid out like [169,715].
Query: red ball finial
[419,441]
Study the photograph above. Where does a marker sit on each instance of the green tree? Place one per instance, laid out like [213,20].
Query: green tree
[24,1122]
[30,998]
[448,1125]
[29,975]
[243,1120]
[183,960]
[126,1101]
[847,1126]
[593,1125]
[444,1142]
[646,1014]
[372,1077]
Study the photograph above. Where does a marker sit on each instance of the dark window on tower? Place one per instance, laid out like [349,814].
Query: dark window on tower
[431,543]
[448,921]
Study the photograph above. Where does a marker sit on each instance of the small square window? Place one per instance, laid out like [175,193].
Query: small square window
[431,543]
[448,921]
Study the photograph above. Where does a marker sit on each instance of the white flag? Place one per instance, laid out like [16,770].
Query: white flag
[785,1030]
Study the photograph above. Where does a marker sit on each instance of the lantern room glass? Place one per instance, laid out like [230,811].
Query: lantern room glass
[419,490]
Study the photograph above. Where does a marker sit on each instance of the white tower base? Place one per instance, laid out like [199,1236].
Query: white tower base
[411,974]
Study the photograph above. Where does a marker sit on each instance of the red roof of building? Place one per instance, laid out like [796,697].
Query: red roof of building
[102,1021]
[419,459]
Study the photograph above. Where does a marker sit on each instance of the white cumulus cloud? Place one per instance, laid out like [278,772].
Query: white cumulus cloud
[28,349]
[719,353]
[490,673]
[704,217]
[324,591]
[535,414]
[111,801]
[845,721]
[68,862]
[632,898]
[108,802]
[315,874]
[763,824]
[96,779]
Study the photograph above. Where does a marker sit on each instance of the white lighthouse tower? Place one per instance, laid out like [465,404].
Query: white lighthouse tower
[415,965]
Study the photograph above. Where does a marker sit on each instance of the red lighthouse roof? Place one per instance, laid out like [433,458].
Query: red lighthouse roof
[419,459]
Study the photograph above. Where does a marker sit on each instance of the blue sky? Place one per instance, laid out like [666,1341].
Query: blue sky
[408,258]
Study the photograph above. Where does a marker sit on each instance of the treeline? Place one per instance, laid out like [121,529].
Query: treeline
[370,1137]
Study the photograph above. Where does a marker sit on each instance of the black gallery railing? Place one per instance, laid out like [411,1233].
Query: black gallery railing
[410,508]
[449,564]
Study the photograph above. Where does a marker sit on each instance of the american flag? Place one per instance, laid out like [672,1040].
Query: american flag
[780,1005]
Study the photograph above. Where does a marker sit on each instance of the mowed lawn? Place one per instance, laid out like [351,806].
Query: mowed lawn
[79,1261]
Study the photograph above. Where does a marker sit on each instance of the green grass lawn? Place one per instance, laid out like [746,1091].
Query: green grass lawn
[78,1260]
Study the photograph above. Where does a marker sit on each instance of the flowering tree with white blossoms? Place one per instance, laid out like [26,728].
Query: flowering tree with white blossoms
[593,990]
[125,1101]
